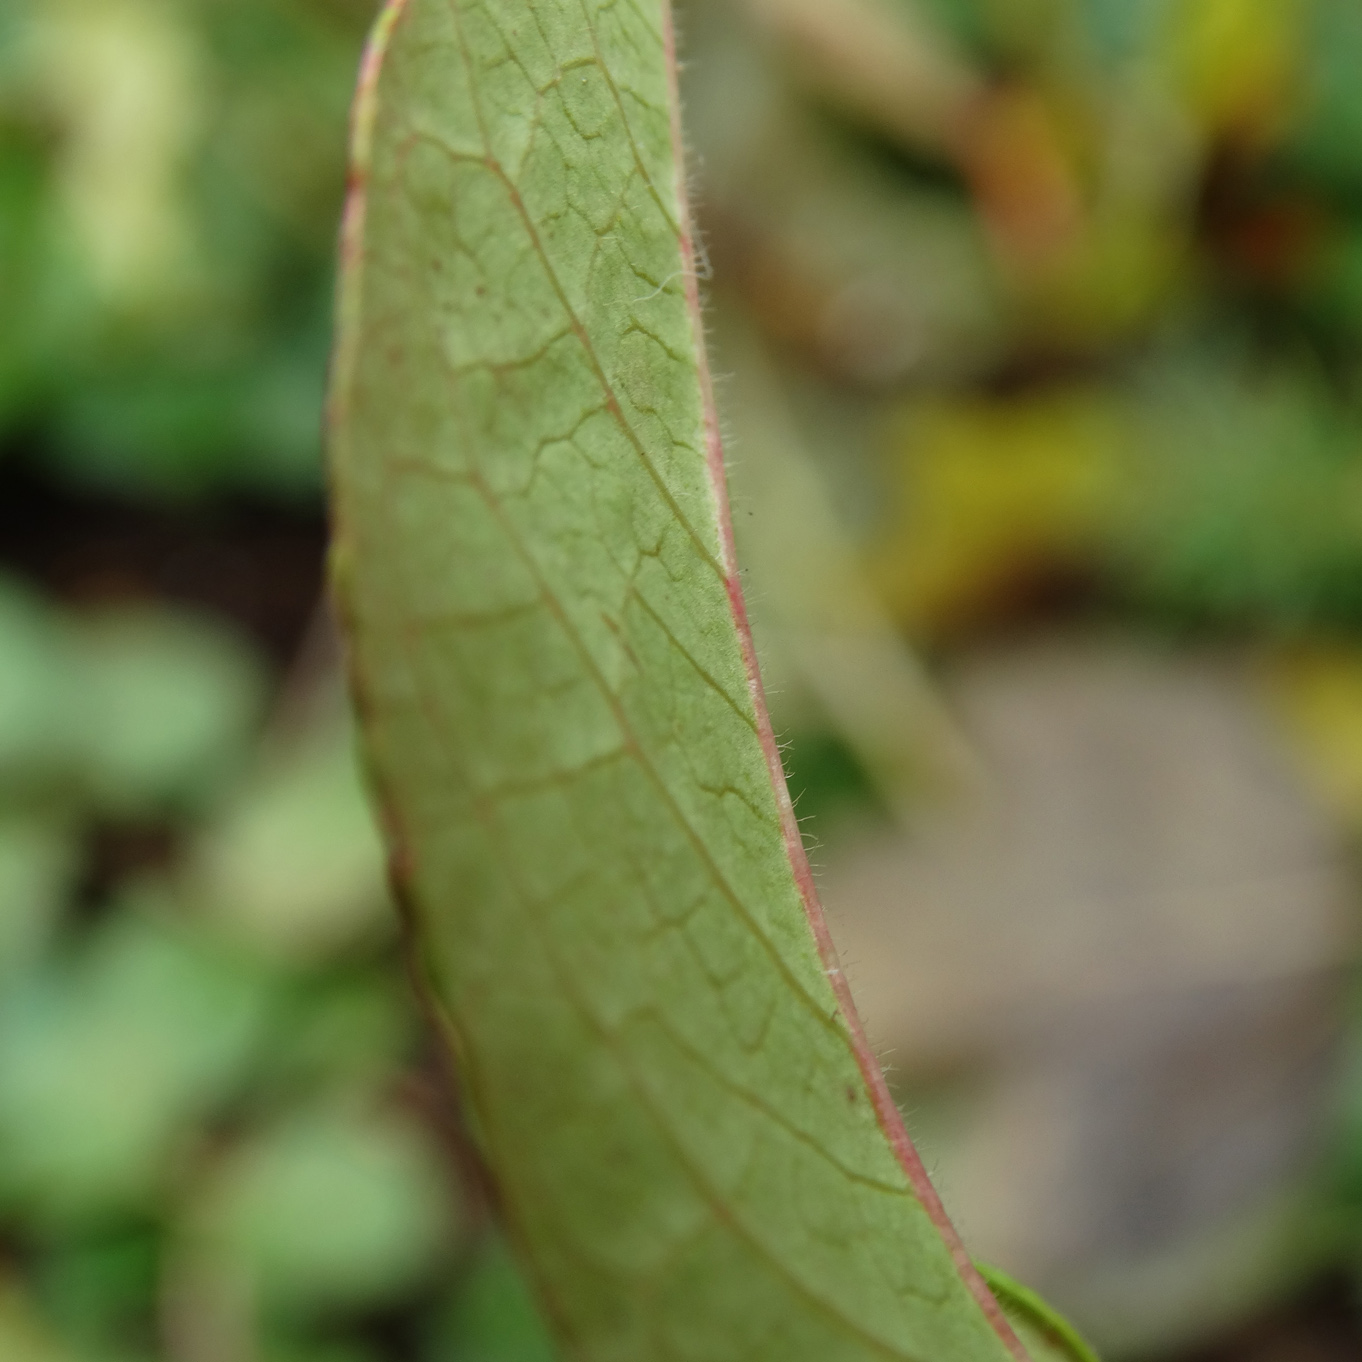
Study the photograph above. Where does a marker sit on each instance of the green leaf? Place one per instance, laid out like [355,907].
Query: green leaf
[108,1061]
[294,866]
[167,701]
[697,1153]
[1048,1336]
[24,1336]
[328,1210]
[38,866]
[491,1317]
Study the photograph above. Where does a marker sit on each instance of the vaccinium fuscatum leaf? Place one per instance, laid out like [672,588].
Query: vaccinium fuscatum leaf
[697,1155]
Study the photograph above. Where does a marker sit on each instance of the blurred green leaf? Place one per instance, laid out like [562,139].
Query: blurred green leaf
[329,1210]
[38,864]
[108,1060]
[24,1337]
[345,1030]
[1246,504]
[491,1315]
[30,259]
[294,866]
[100,1290]
[170,174]
[165,704]
[1326,142]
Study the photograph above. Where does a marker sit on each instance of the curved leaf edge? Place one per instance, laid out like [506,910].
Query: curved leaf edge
[886,1110]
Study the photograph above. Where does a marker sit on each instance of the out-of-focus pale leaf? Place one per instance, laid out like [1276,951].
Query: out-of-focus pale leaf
[108,1060]
[294,865]
[170,174]
[165,704]
[328,1210]
[124,78]
[141,708]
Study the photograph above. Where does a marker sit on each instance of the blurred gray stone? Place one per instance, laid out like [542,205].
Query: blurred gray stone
[1108,986]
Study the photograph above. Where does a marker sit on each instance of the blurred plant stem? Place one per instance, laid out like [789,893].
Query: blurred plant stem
[814,606]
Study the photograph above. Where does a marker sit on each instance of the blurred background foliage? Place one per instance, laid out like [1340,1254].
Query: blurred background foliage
[1037,311]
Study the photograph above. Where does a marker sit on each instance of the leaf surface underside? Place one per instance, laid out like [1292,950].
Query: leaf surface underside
[697,1154]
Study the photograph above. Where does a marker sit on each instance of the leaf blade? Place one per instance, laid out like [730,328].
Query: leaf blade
[564,719]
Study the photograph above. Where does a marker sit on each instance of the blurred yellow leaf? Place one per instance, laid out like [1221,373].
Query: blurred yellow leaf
[23,1337]
[1236,63]
[991,494]
[1316,691]
[124,79]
